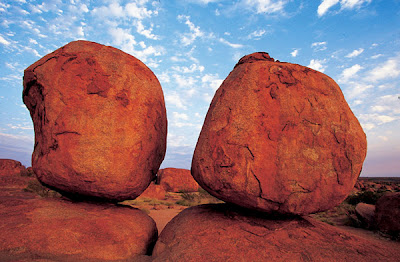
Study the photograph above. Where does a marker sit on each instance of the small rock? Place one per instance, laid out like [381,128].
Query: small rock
[366,214]
[177,180]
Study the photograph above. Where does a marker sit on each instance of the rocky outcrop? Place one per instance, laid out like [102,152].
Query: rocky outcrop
[366,214]
[226,233]
[176,180]
[60,230]
[11,167]
[387,214]
[279,137]
[154,191]
[99,119]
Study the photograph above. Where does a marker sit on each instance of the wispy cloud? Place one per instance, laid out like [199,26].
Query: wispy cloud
[226,42]
[4,41]
[350,72]
[384,71]
[195,32]
[257,34]
[344,4]
[355,53]
[319,46]
[294,53]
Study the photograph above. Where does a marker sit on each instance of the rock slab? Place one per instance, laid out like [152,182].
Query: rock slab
[176,180]
[40,229]
[279,137]
[226,233]
[100,121]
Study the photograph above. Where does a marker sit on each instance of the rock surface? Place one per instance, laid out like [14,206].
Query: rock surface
[387,214]
[45,229]
[154,191]
[366,214]
[10,167]
[225,233]
[279,137]
[100,121]
[176,179]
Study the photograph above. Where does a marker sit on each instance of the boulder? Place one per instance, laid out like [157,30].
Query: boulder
[154,191]
[11,167]
[219,232]
[100,121]
[60,230]
[387,214]
[279,137]
[366,214]
[176,180]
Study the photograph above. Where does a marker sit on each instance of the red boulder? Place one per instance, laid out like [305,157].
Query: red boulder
[279,137]
[176,179]
[387,214]
[99,119]
[11,167]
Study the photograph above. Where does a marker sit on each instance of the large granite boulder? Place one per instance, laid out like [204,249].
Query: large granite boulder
[227,233]
[176,180]
[279,137]
[48,229]
[387,213]
[100,121]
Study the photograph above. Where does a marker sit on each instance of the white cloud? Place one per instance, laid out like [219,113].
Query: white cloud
[263,6]
[191,69]
[317,65]
[325,5]
[350,72]
[376,56]
[230,44]
[295,52]
[344,4]
[138,11]
[257,34]
[377,119]
[195,32]
[355,53]
[356,89]
[203,2]
[184,82]
[319,46]
[180,116]
[4,41]
[387,70]
[146,32]
[175,100]
[212,81]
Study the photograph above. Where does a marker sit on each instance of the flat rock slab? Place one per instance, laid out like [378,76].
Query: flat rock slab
[279,137]
[39,229]
[221,232]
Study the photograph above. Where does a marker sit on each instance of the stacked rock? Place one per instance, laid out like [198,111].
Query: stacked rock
[100,121]
[100,134]
[279,137]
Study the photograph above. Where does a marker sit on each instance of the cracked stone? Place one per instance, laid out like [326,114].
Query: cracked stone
[91,106]
[288,123]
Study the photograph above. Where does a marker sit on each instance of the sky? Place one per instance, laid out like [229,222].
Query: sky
[193,45]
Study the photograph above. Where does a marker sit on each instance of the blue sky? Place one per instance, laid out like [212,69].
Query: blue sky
[192,46]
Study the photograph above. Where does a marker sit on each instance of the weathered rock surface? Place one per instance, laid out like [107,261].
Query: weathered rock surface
[10,167]
[176,179]
[154,191]
[44,229]
[225,233]
[100,121]
[279,137]
[387,214]
[366,214]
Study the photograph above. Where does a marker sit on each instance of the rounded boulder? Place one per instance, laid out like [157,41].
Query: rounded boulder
[279,137]
[100,121]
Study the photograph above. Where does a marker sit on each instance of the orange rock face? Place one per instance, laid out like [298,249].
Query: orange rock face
[58,230]
[100,121]
[176,179]
[154,191]
[279,137]
[225,233]
[10,167]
